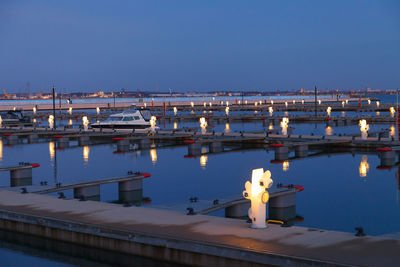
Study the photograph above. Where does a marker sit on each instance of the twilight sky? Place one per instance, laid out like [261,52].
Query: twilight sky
[90,45]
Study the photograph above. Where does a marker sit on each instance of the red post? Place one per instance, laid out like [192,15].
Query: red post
[165,108]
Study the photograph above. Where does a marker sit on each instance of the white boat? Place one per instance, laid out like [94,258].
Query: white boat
[14,117]
[132,118]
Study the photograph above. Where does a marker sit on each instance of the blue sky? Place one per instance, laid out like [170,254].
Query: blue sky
[91,45]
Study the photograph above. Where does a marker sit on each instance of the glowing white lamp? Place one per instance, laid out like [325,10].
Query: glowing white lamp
[70,111]
[259,196]
[98,110]
[210,104]
[51,121]
[294,101]
[192,104]
[34,110]
[153,120]
[245,102]
[369,101]
[204,104]
[319,102]
[255,103]
[271,111]
[328,111]
[377,104]
[227,103]
[392,111]
[145,105]
[284,125]
[343,104]
[302,101]
[85,122]
[227,111]
[347,101]
[286,104]
[203,125]
[260,102]
[175,111]
[239,102]
[364,127]
[272,102]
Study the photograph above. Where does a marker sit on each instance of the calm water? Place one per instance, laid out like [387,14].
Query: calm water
[342,191]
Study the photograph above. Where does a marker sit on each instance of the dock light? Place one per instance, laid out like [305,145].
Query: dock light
[392,111]
[15,108]
[285,165]
[260,102]
[255,104]
[369,101]
[245,102]
[272,102]
[1,149]
[286,104]
[271,110]
[145,105]
[153,121]
[392,130]
[1,121]
[153,155]
[227,111]
[175,125]
[239,102]
[364,166]
[70,111]
[227,103]
[328,130]
[85,122]
[192,104]
[347,101]
[319,102]
[364,127]
[203,161]
[175,111]
[98,110]
[258,195]
[51,121]
[204,104]
[34,110]
[328,111]
[221,103]
[227,128]
[51,150]
[342,104]
[284,125]
[203,125]
[210,104]
[294,101]
[85,152]
[302,101]
[377,104]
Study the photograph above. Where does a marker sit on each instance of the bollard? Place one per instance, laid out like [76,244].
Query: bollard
[21,177]
[83,140]
[301,151]
[33,138]
[88,192]
[62,141]
[130,191]
[215,147]
[122,144]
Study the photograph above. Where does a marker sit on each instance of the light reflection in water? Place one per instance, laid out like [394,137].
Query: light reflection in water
[285,166]
[227,128]
[392,130]
[203,161]
[70,122]
[175,125]
[153,155]
[86,152]
[328,130]
[271,126]
[343,114]
[1,149]
[364,166]
[51,150]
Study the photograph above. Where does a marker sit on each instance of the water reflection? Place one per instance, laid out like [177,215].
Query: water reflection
[51,150]
[1,149]
[328,130]
[70,122]
[271,126]
[364,166]
[203,161]
[392,131]
[227,129]
[153,155]
[86,151]
[285,166]
[175,125]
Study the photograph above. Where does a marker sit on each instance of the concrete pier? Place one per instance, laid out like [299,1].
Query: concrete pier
[281,151]
[144,143]
[215,147]
[387,156]
[21,176]
[87,192]
[83,140]
[123,144]
[193,240]
[301,151]
[194,148]
[62,141]
[33,138]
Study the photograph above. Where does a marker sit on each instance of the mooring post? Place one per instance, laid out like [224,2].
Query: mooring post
[88,192]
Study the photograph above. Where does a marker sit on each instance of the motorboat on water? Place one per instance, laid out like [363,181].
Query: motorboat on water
[132,118]
[14,117]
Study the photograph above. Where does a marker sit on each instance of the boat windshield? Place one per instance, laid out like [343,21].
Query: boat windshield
[114,119]
[146,114]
